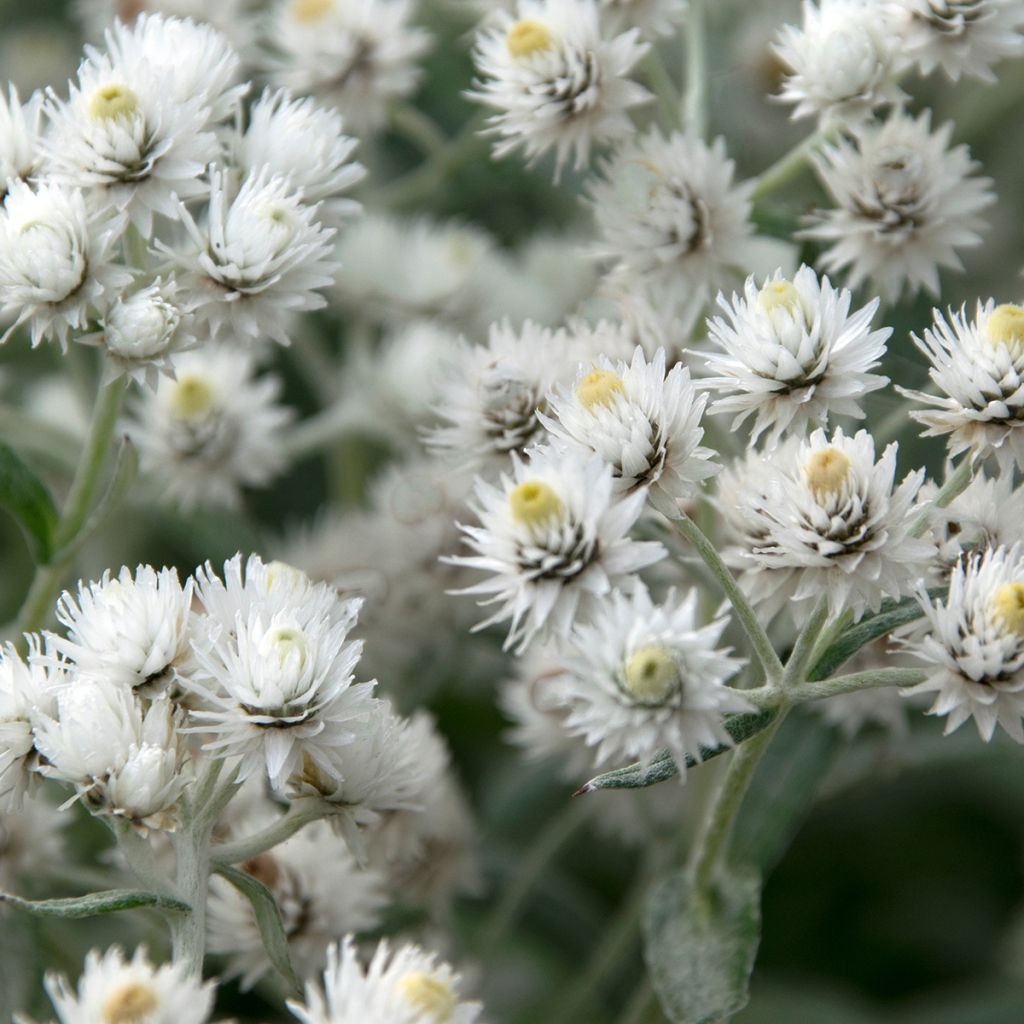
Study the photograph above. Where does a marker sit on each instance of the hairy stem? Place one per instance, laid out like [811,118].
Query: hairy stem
[858,681]
[787,167]
[955,484]
[300,814]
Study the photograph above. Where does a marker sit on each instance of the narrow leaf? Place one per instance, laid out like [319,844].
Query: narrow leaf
[27,499]
[107,902]
[700,950]
[663,766]
[268,918]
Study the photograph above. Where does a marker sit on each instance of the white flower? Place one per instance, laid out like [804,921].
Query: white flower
[212,430]
[321,893]
[651,17]
[20,134]
[842,63]
[793,355]
[115,991]
[231,17]
[963,37]
[279,689]
[906,203]
[985,514]
[974,646]
[644,676]
[553,541]
[132,630]
[257,258]
[404,986]
[32,843]
[55,261]
[555,81]
[670,216]
[831,515]
[125,136]
[643,422]
[360,57]
[297,140]
[122,760]
[978,368]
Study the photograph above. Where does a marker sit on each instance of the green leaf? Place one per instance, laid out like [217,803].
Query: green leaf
[268,918]
[699,949]
[107,902]
[663,766]
[27,499]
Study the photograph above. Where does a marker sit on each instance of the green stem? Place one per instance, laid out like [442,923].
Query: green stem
[744,612]
[300,814]
[695,102]
[664,88]
[803,649]
[787,167]
[955,484]
[319,430]
[414,126]
[856,681]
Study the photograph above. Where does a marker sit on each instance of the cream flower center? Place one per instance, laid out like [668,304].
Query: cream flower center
[1006,326]
[826,472]
[429,995]
[192,397]
[652,674]
[310,10]
[277,570]
[778,295]
[534,503]
[129,1003]
[599,387]
[1008,605]
[527,37]
[110,101]
[286,643]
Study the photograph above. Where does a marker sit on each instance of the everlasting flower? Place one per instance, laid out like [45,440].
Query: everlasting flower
[643,422]
[26,691]
[793,355]
[963,37]
[118,991]
[552,540]
[555,81]
[978,367]
[841,63]
[56,260]
[974,647]
[985,515]
[20,135]
[642,677]
[404,986]
[906,203]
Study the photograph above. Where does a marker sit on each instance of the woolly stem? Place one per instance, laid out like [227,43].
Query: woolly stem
[955,484]
[856,681]
[787,167]
[695,101]
[300,814]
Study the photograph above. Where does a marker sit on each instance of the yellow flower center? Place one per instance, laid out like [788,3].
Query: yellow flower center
[1006,326]
[192,397]
[534,503]
[310,10]
[527,37]
[652,674]
[129,1003]
[778,295]
[1009,607]
[110,101]
[827,471]
[599,387]
[429,995]
[285,642]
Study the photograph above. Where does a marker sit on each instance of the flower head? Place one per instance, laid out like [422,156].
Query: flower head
[21,132]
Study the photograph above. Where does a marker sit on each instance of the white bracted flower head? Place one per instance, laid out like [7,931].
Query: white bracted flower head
[230,17]
[645,676]
[490,394]
[279,687]
[126,137]
[403,986]
[122,759]
[257,258]
[113,990]
[978,367]
[56,261]
[793,355]
[651,17]
[321,892]
[641,421]
[553,540]
[21,132]
[905,204]
[555,81]
[132,630]
[963,37]
[670,216]
[842,62]
[213,429]
[358,57]
[140,332]
[833,516]
[974,646]
[985,514]
[304,143]
[26,690]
